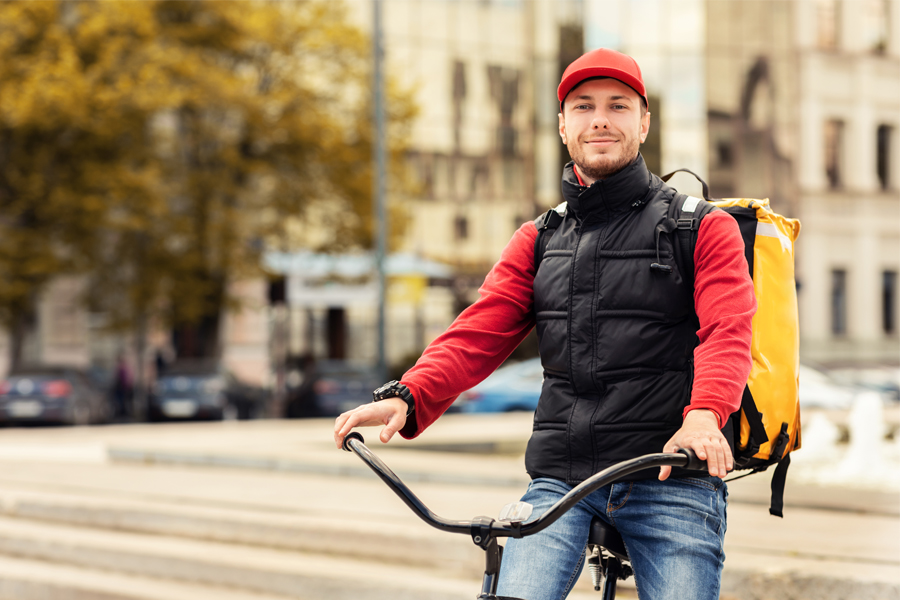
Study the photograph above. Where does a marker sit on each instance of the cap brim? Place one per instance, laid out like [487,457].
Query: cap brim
[576,78]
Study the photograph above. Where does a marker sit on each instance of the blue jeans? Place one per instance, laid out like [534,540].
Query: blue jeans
[674,531]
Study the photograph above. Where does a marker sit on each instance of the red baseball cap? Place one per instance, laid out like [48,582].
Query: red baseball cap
[602,63]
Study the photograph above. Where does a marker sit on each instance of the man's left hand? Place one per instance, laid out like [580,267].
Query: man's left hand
[700,433]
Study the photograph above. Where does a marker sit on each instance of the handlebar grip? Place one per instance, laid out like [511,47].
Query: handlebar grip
[353,435]
[693,463]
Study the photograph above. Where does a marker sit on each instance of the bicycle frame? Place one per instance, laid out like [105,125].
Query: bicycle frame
[484,530]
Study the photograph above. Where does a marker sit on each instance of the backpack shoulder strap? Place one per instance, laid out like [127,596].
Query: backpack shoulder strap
[687,211]
[546,224]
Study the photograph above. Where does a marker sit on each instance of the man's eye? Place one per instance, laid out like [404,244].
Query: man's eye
[619,106]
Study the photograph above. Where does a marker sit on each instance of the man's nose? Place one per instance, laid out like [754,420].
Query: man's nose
[599,121]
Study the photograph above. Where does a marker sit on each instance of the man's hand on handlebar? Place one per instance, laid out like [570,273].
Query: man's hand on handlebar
[390,412]
[700,433]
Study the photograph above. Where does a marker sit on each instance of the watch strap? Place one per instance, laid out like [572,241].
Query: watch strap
[395,389]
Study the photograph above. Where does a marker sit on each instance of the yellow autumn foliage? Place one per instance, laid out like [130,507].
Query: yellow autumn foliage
[160,146]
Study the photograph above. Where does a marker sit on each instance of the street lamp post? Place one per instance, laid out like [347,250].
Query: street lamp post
[379,195]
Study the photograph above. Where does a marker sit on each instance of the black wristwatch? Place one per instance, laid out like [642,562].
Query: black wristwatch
[395,389]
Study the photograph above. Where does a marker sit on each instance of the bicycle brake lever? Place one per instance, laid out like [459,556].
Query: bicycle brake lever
[353,435]
[693,463]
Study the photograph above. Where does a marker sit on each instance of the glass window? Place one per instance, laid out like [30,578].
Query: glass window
[834,134]
[839,302]
[889,302]
[885,133]
[874,23]
[461,227]
[827,22]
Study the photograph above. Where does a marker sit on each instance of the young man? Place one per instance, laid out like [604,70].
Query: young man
[636,359]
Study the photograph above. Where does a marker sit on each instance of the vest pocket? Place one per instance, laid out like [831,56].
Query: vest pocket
[553,340]
[630,427]
[614,442]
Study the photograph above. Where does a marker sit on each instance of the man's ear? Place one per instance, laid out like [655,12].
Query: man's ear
[645,126]
[562,128]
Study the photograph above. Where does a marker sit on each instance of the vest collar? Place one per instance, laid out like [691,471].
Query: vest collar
[629,189]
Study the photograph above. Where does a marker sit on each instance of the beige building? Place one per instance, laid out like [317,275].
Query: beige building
[804,108]
[848,174]
[797,101]
[485,153]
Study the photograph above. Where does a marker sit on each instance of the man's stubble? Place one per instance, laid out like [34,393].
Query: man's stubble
[602,166]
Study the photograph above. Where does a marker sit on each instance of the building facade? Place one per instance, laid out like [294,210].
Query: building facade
[797,101]
[848,179]
[794,100]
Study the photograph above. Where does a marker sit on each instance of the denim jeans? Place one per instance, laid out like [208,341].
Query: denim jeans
[674,531]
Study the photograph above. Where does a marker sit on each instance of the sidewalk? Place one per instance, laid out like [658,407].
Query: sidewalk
[458,449]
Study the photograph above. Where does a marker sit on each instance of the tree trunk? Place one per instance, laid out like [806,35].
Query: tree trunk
[17,342]
[23,319]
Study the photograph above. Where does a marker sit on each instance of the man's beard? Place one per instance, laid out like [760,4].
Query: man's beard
[603,168]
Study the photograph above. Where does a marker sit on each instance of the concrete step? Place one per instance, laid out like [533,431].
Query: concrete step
[360,537]
[360,519]
[44,526]
[22,579]
[257,570]
[391,536]
[43,561]
[410,545]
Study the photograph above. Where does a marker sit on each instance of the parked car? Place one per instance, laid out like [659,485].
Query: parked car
[203,391]
[518,387]
[341,386]
[52,394]
[884,380]
[515,387]
[819,390]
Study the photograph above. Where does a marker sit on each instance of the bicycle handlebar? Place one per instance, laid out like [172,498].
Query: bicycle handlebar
[354,442]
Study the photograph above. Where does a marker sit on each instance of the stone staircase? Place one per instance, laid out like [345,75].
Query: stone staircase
[63,546]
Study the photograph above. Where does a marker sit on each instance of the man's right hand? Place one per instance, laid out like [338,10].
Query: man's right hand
[390,412]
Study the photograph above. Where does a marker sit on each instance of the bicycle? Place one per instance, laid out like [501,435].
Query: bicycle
[608,560]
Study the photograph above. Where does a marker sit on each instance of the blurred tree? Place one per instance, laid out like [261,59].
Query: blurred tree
[162,145]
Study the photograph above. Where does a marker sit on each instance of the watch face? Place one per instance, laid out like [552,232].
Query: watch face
[384,389]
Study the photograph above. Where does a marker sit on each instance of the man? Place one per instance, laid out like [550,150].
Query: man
[636,359]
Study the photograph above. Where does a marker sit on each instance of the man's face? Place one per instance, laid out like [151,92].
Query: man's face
[602,126]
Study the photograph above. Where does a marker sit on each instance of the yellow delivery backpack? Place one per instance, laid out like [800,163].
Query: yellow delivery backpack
[767,427]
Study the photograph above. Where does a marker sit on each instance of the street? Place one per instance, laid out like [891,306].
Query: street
[271,510]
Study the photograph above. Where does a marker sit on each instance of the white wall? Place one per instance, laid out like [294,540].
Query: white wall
[856,227]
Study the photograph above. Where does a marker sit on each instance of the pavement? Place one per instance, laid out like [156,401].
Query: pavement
[270,509]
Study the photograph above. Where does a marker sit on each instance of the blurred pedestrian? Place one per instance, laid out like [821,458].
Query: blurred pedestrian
[160,363]
[301,388]
[123,387]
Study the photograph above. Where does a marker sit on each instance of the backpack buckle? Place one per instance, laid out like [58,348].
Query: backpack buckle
[549,217]
[546,221]
[687,224]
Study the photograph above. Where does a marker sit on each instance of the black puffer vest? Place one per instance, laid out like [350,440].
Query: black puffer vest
[616,336]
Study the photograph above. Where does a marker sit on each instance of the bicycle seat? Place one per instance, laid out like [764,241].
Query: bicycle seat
[606,536]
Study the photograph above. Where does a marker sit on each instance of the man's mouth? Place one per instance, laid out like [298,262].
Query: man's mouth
[601,141]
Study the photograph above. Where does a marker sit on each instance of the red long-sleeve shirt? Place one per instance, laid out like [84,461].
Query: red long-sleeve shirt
[487,332]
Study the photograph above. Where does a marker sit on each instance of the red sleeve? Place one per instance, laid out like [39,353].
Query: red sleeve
[725,304]
[480,338]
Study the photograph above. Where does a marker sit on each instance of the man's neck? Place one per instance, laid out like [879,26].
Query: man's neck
[581,179]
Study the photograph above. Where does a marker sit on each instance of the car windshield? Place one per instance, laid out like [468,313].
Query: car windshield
[39,372]
[190,383]
[528,374]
